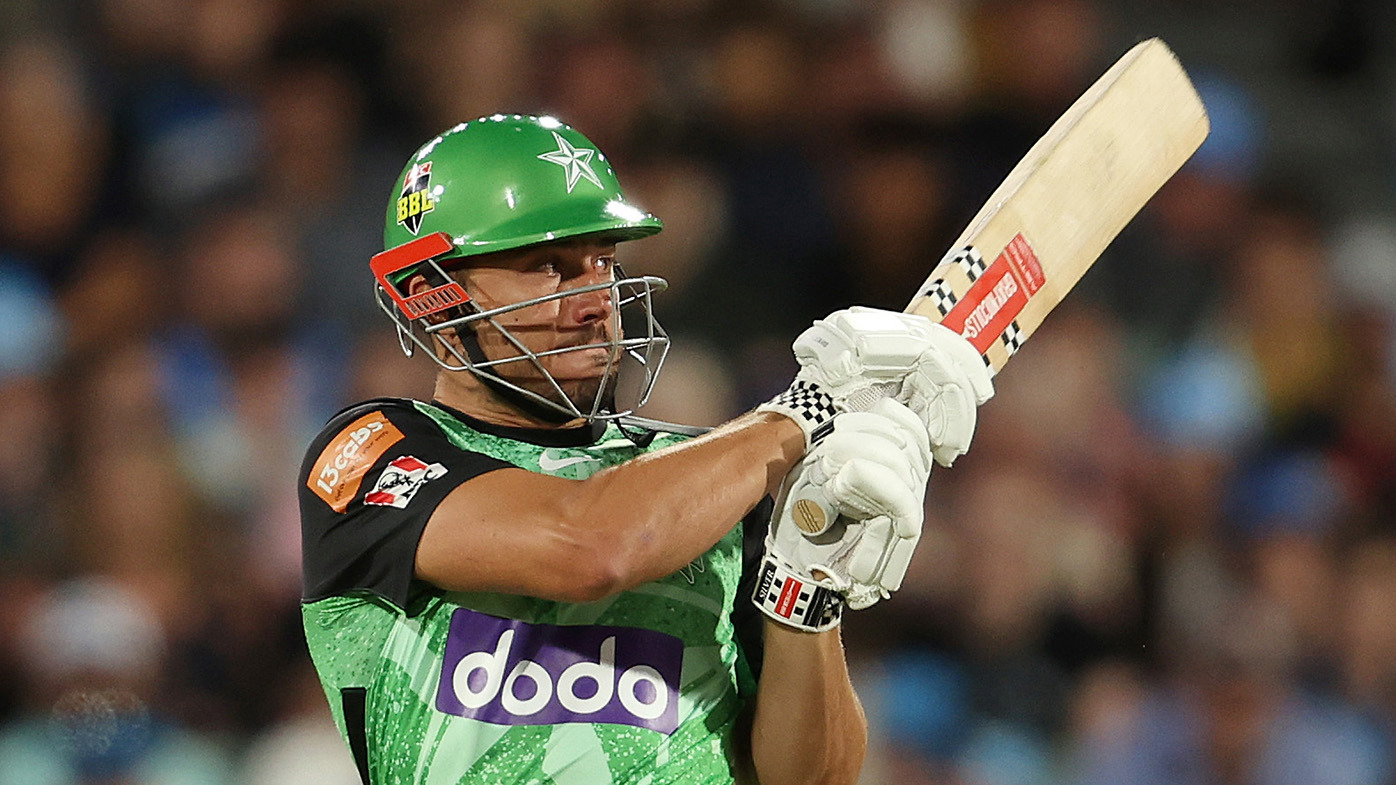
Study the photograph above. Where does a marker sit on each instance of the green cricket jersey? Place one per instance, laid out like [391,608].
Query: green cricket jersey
[436,687]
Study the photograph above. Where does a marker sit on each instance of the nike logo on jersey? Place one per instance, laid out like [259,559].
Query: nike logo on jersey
[550,461]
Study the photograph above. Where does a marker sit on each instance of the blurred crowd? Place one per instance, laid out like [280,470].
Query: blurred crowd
[1170,556]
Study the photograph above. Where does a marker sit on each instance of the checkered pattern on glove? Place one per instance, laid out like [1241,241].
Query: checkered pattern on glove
[807,404]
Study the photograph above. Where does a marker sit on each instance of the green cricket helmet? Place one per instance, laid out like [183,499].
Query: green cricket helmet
[508,181]
[500,183]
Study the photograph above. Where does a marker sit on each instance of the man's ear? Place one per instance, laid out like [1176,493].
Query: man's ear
[416,284]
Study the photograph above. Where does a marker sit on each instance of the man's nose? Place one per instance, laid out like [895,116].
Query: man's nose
[593,306]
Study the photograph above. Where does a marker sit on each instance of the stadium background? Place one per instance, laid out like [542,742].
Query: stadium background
[1168,558]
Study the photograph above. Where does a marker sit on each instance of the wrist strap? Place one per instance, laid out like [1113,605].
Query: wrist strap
[807,404]
[794,600]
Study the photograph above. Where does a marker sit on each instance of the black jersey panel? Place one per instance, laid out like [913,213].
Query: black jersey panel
[369,483]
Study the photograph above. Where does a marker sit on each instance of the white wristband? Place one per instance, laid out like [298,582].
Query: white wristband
[796,601]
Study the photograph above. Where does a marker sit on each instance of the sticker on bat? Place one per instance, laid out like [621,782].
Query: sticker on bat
[998,295]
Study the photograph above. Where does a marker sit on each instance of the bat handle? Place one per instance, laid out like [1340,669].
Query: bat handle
[812,513]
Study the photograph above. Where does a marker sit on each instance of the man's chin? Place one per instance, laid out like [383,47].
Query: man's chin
[581,392]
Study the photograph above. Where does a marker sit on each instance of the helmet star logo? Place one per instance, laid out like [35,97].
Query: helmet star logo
[576,161]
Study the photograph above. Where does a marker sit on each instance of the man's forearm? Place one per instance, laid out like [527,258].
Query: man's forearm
[693,493]
[809,726]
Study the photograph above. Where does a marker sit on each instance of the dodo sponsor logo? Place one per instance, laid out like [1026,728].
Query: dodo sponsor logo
[509,672]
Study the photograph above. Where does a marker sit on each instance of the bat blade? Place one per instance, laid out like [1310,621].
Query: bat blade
[1056,211]
[1065,201]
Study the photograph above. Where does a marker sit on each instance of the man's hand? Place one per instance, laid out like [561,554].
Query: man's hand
[858,356]
[946,388]
[871,472]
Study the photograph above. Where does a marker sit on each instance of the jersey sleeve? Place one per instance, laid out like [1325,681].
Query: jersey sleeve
[369,483]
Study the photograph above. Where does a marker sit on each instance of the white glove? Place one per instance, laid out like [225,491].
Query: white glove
[946,388]
[870,473]
[848,360]
[858,356]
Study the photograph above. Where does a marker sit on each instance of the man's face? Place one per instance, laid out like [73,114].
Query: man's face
[508,277]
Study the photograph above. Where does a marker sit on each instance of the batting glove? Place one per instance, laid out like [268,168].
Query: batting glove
[946,388]
[855,357]
[847,361]
[849,517]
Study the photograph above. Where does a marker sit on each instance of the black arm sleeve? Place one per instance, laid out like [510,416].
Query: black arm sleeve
[746,619]
[369,483]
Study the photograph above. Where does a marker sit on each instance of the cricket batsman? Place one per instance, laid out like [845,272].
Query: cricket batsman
[520,582]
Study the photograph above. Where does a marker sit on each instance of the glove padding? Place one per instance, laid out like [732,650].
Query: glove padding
[858,356]
[848,360]
[871,471]
[946,388]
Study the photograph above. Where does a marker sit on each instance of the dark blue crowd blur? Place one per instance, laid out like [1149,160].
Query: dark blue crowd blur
[1170,556]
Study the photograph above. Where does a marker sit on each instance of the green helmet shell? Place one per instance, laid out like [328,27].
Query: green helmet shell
[508,181]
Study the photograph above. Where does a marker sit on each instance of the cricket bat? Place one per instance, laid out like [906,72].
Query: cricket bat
[1056,212]
[1059,208]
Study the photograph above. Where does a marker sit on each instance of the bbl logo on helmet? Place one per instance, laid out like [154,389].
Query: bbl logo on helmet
[415,200]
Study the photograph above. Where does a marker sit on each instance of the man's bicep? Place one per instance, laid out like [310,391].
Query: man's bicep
[510,531]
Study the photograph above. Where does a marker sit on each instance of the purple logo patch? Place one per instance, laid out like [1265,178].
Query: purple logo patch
[509,672]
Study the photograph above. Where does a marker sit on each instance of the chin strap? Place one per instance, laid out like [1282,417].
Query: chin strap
[638,436]
[528,405]
[513,397]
